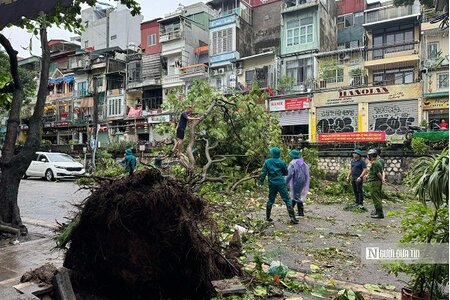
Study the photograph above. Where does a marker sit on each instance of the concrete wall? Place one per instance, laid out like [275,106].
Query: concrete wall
[327,26]
[244,43]
[148,28]
[266,27]
[122,25]
[395,170]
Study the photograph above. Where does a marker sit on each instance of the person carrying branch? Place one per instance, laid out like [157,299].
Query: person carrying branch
[298,180]
[182,124]
[276,170]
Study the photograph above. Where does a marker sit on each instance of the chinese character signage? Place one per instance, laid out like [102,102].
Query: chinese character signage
[376,136]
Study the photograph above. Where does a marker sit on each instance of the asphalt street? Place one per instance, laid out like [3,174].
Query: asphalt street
[42,203]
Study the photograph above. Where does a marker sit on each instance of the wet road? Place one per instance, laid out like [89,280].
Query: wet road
[42,202]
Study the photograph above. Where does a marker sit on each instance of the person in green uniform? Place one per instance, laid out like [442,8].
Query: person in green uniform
[129,162]
[375,181]
[276,169]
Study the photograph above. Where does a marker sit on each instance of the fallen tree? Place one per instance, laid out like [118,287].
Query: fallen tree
[145,237]
[231,140]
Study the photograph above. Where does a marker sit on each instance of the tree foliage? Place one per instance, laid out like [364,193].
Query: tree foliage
[236,133]
[27,77]
[427,3]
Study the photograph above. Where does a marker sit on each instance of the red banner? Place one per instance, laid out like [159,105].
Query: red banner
[289,104]
[375,136]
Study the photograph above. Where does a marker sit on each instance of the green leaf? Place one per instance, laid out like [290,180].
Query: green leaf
[389,287]
[314,267]
[372,287]
[260,291]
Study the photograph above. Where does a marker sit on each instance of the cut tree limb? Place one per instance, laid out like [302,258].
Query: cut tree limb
[9,229]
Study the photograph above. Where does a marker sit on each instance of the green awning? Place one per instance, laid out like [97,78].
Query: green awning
[436,95]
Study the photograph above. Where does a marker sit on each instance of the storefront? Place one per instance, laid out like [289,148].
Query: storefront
[435,107]
[388,109]
[292,113]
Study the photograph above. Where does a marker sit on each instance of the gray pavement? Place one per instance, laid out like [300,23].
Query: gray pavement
[41,202]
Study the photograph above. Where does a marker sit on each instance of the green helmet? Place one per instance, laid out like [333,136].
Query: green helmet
[372,152]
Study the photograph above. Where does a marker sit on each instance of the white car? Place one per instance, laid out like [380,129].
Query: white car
[52,165]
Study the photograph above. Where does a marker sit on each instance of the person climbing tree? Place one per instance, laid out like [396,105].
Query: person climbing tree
[182,124]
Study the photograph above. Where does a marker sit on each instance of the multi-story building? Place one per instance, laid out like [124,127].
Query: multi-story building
[230,38]
[107,26]
[434,67]
[307,27]
[59,127]
[387,98]
[349,23]
[181,32]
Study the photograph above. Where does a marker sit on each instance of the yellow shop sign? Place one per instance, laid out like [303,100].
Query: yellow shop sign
[435,103]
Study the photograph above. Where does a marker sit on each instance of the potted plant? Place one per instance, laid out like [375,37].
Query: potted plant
[426,221]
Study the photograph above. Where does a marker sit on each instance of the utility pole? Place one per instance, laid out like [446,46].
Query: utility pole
[95,120]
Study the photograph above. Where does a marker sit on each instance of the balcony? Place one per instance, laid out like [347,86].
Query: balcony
[199,70]
[390,13]
[61,96]
[427,16]
[229,16]
[115,92]
[170,36]
[293,5]
[393,53]
[171,80]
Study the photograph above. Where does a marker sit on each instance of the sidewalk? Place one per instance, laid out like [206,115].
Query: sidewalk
[18,259]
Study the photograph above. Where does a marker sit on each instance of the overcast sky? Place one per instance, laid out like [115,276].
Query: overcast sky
[20,39]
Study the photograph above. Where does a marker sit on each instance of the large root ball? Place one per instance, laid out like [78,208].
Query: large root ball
[145,237]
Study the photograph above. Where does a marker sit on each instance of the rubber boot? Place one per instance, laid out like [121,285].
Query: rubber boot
[378,215]
[300,209]
[268,212]
[373,213]
[292,215]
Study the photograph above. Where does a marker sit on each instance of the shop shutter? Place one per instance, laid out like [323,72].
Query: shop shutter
[290,118]
[393,117]
[335,119]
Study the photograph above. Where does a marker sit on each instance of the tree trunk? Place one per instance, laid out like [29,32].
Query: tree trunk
[14,166]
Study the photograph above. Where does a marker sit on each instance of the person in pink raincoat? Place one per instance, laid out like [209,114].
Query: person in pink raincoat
[298,180]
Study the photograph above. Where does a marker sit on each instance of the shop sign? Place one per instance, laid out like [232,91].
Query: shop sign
[159,119]
[435,103]
[63,124]
[369,94]
[373,136]
[289,104]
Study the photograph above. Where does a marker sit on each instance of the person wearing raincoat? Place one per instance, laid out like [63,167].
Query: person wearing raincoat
[276,169]
[129,162]
[298,180]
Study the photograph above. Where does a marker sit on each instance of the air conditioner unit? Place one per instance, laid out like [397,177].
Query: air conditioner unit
[238,65]
[221,71]
[239,71]
[215,72]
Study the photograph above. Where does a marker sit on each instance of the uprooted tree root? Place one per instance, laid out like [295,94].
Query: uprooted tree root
[145,237]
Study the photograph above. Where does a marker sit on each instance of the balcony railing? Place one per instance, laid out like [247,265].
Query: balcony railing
[115,92]
[171,79]
[393,50]
[288,5]
[57,96]
[386,13]
[169,36]
[194,70]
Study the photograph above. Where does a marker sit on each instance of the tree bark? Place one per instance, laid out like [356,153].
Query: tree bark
[14,166]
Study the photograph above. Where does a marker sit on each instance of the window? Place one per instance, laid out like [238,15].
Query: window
[300,31]
[82,88]
[249,76]
[344,21]
[115,107]
[113,37]
[358,19]
[402,35]
[301,70]
[393,76]
[134,71]
[86,44]
[151,40]
[442,81]
[71,87]
[432,50]
[99,84]
[222,41]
